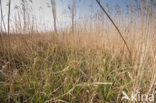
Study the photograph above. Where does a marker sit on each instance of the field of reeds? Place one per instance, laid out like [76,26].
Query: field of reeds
[81,65]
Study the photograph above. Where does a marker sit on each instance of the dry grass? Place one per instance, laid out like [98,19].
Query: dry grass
[89,65]
[84,67]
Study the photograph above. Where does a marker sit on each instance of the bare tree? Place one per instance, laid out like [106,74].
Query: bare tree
[73,11]
[9,16]
[53,4]
[1,27]
[24,13]
[85,16]
[2,19]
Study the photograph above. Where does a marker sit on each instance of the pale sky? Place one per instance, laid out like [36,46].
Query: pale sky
[43,13]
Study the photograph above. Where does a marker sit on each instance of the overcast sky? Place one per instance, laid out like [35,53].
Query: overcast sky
[43,13]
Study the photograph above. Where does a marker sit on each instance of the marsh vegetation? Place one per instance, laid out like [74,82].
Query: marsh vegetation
[86,62]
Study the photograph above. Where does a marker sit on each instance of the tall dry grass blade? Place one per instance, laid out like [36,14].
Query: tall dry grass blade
[2,19]
[114,26]
[148,17]
[53,4]
[9,6]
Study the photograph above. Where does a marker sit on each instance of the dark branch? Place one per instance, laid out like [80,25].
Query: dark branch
[114,25]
